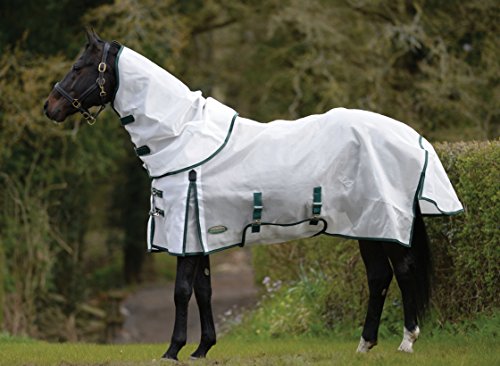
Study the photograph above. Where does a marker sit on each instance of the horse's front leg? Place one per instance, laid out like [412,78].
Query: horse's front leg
[203,294]
[186,272]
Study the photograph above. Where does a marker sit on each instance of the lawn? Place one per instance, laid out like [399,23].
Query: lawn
[450,350]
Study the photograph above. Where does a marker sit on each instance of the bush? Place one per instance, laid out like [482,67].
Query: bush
[465,254]
[49,176]
[465,247]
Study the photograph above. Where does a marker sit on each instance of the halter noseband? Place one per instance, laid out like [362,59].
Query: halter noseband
[99,84]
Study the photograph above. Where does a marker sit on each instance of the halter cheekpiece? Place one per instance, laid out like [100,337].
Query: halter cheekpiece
[99,84]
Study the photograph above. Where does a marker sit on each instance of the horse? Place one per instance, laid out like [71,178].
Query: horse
[188,146]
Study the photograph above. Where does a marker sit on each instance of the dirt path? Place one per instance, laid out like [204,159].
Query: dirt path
[149,312]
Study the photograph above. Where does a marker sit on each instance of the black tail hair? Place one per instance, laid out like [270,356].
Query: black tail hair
[420,249]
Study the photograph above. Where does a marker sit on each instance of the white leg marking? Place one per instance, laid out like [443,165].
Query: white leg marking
[365,346]
[408,339]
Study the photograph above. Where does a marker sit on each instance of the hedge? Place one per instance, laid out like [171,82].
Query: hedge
[324,278]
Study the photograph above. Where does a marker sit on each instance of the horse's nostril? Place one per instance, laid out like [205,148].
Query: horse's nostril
[45,106]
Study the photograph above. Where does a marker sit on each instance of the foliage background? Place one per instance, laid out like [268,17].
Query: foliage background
[73,197]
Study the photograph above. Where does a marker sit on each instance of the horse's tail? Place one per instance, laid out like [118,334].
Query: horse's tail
[423,270]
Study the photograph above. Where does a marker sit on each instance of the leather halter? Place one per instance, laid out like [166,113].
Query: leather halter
[99,84]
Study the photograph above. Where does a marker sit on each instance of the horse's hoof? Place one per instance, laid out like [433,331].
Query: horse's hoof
[197,355]
[409,338]
[168,358]
[365,346]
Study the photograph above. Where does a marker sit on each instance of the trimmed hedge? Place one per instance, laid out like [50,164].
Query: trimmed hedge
[464,247]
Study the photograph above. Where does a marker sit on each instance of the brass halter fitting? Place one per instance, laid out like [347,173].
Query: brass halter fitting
[100,82]
[102,67]
[76,103]
[89,118]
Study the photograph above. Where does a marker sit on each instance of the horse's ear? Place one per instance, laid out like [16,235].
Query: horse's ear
[90,35]
[92,38]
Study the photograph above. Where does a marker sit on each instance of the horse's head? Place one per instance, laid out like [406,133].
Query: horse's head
[90,82]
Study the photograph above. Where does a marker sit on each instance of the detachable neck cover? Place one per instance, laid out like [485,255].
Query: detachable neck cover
[172,127]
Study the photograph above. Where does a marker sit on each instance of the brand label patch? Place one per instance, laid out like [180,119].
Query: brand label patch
[219,229]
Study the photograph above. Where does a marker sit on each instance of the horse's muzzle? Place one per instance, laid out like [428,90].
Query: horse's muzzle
[45,106]
[53,115]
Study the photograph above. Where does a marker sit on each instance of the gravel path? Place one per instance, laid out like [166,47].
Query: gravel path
[149,312]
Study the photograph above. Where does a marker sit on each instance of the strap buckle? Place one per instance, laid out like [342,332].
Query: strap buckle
[156,212]
[156,192]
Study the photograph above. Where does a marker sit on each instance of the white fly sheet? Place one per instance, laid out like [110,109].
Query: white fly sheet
[219,180]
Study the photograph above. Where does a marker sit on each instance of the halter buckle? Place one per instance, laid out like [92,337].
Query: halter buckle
[102,67]
[76,103]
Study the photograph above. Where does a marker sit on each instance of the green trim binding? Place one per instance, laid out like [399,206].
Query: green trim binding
[205,160]
[197,213]
[451,213]
[441,212]
[192,189]
[257,211]
[162,249]
[417,194]
[151,231]
[159,249]
[117,77]
[186,218]
[350,237]
[420,197]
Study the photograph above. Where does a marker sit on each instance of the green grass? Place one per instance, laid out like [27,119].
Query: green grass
[449,350]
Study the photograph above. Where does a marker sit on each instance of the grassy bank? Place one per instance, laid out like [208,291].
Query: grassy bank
[473,349]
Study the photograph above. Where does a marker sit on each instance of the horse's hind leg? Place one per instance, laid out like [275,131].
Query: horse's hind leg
[186,272]
[379,274]
[203,294]
[404,269]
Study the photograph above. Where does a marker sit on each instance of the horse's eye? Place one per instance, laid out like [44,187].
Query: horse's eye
[77,67]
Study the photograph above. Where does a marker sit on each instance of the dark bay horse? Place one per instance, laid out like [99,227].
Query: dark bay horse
[92,82]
